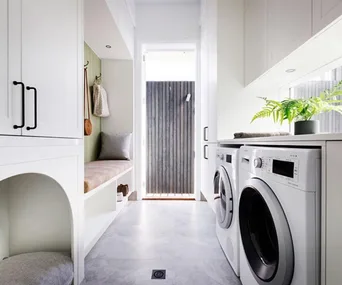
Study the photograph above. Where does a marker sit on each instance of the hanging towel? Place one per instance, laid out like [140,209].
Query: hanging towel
[100,101]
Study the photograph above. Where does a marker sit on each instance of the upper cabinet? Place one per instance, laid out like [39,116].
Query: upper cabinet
[10,94]
[209,58]
[288,26]
[325,12]
[255,39]
[43,68]
[276,28]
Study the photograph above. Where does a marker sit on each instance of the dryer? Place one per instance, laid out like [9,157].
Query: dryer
[226,203]
[279,216]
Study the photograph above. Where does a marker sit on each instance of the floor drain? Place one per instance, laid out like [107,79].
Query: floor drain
[159,274]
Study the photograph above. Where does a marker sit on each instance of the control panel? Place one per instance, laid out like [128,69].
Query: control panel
[297,167]
[286,168]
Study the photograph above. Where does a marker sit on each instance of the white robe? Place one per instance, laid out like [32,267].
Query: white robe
[100,101]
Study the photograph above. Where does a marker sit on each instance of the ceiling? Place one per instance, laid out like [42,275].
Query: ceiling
[100,30]
[167,1]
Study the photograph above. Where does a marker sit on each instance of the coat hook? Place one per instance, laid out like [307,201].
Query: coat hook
[98,77]
[86,65]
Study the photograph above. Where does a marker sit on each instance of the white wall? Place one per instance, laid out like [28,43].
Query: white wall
[51,215]
[117,79]
[167,23]
[4,221]
[236,104]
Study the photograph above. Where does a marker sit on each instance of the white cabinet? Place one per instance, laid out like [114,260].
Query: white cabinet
[333,213]
[325,12]
[289,25]
[209,70]
[255,39]
[273,29]
[208,171]
[43,51]
[10,95]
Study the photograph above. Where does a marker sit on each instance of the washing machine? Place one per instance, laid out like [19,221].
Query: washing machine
[279,216]
[226,203]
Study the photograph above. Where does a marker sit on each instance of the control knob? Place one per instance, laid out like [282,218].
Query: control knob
[257,162]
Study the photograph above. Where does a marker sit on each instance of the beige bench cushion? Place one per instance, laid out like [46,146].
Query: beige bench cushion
[99,172]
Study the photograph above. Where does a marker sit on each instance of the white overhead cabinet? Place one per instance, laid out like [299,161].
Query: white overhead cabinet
[255,39]
[41,78]
[10,95]
[325,12]
[277,28]
[289,25]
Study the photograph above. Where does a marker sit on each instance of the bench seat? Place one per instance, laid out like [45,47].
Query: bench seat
[99,172]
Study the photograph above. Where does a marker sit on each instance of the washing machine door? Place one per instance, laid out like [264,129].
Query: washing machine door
[265,235]
[224,202]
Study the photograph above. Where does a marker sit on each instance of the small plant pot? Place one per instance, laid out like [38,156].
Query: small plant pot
[306,127]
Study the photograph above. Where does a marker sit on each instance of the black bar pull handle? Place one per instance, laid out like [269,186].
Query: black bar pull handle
[35,108]
[205,151]
[22,105]
[205,134]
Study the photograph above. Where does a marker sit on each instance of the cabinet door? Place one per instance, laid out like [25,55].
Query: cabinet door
[255,39]
[324,12]
[212,70]
[52,63]
[289,25]
[208,175]
[332,231]
[10,95]
[204,83]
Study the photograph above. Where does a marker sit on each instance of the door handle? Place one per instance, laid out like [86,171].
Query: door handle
[22,105]
[35,107]
[205,134]
[205,151]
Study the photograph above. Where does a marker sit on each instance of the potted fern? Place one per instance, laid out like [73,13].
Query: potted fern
[301,111]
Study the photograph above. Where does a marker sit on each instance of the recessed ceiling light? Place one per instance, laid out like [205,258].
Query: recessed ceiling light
[290,70]
[108,46]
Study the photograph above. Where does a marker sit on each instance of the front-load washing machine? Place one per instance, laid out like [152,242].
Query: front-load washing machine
[226,203]
[279,216]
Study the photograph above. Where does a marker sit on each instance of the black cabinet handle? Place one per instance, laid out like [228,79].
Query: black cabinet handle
[205,134]
[35,107]
[22,105]
[205,151]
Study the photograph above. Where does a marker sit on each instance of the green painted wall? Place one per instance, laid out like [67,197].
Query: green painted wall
[92,142]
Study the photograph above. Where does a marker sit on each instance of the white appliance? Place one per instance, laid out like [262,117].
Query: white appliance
[226,203]
[279,216]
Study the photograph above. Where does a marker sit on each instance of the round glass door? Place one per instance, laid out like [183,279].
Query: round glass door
[265,235]
[224,203]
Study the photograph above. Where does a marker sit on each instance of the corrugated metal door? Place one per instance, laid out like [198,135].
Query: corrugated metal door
[170,137]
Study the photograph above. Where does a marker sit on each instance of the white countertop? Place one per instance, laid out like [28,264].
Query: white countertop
[316,139]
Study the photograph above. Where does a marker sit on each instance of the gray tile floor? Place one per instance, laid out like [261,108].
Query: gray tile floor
[176,236]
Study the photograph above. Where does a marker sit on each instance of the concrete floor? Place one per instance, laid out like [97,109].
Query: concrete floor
[176,236]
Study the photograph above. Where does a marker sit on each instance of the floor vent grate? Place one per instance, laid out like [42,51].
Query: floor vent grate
[158,274]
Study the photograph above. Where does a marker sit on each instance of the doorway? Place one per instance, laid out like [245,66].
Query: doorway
[170,124]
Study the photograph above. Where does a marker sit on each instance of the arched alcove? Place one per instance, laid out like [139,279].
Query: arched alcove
[35,215]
